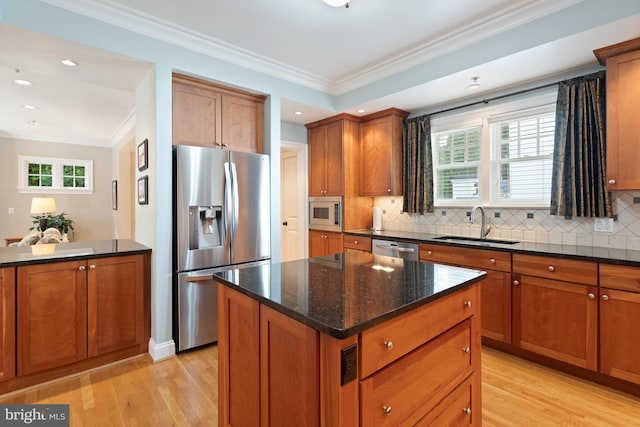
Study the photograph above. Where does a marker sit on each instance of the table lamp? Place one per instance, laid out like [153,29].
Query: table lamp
[42,206]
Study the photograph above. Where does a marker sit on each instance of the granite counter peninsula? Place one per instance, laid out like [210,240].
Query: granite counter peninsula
[350,339]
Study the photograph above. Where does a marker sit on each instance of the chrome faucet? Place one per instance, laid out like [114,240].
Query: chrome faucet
[484,227]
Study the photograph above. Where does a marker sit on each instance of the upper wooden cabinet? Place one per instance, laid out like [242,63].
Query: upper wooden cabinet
[326,175]
[209,115]
[381,153]
[623,103]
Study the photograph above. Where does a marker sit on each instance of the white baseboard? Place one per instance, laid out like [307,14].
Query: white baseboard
[162,350]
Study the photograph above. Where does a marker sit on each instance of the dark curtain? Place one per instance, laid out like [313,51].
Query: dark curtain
[578,186]
[417,180]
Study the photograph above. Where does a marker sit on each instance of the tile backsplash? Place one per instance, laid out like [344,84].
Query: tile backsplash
[522,224]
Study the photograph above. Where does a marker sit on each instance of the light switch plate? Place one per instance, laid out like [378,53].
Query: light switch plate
[603,225]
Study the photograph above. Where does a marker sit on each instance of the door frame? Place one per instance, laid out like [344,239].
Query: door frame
[301,151]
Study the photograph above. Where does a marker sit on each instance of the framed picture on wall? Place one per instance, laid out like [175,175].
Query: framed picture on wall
[114,194]
[143,155]
[143,189]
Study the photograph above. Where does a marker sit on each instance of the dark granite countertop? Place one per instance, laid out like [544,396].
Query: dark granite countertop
[344,294]
[55,252]
[586,253]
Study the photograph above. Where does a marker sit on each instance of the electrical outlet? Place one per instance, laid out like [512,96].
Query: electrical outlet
[603,225]
[10,211]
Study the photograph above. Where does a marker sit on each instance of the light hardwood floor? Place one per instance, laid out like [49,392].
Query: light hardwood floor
[182,391]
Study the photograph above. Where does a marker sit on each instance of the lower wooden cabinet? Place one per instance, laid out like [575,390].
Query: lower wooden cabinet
[496,306]
[555,308]
[7,325]
[323,243]
[619,320]
[356,243]
[286,373]
[72,311]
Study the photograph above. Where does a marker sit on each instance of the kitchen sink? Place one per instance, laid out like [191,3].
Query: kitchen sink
[475,239]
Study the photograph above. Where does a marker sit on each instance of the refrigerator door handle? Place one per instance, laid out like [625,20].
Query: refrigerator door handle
[236,199]
[228,198]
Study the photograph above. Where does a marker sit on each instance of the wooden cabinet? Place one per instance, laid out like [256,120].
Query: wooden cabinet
[381,153]
[326,174]
[7,324]
[70,311]
[619,317]
[324,243]
[555,310]
[421,366]
[358,243]
[334,164]
[496,288]
[209,115]
[623,103]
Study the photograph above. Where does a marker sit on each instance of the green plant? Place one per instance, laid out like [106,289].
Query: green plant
[60,222]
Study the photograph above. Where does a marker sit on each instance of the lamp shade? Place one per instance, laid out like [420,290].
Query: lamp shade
[43,205]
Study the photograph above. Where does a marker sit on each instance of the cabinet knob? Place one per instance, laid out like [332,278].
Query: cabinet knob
[387,410]
[551,268]
[466,350]
[612,181]
[92,266]
[467,411]
[492,260]
[389,190]
[605,297]
[467,304]
[81,268]
[516,283]
[429,253]
[388,345]
[355,242]
[590,295]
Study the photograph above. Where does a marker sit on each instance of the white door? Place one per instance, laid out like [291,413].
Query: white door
[292,203]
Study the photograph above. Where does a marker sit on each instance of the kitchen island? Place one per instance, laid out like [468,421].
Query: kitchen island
[349,339]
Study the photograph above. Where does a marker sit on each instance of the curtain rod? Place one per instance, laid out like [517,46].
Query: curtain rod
[495,98]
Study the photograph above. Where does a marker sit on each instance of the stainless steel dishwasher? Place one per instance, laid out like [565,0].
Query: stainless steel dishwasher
[392,248]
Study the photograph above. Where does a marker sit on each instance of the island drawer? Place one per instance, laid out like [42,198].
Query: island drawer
[408,389]
[391,340]
[357,242]
[567,270]
[622,277]
[483,259]
[454,410]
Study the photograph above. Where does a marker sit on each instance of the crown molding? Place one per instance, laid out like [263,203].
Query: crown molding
[150,26]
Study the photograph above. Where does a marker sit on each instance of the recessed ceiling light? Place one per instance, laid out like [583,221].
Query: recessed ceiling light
[362,110]
[29,107]
[475,84]
[337,3]
[298,113]
[23,82]
[33,122]
[69,62]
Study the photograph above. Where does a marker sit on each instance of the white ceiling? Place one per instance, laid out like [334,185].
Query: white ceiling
[335,50]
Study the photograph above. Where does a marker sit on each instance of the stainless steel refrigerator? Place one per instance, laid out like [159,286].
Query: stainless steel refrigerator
[221,221]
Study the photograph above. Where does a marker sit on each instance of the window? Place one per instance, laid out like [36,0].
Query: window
[524,148]
[498,155]
[457,163]
[53,175]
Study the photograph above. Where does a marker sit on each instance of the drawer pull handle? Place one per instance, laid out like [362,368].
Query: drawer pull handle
[516,283]
[551,268]
[467,411]
[387,410]
[388,345]
[605,297]
[492,260]
[590,295]
[81,268]
[467,350]
[467,304]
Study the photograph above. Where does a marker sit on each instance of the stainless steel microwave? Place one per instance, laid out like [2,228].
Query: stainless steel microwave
[325,213]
